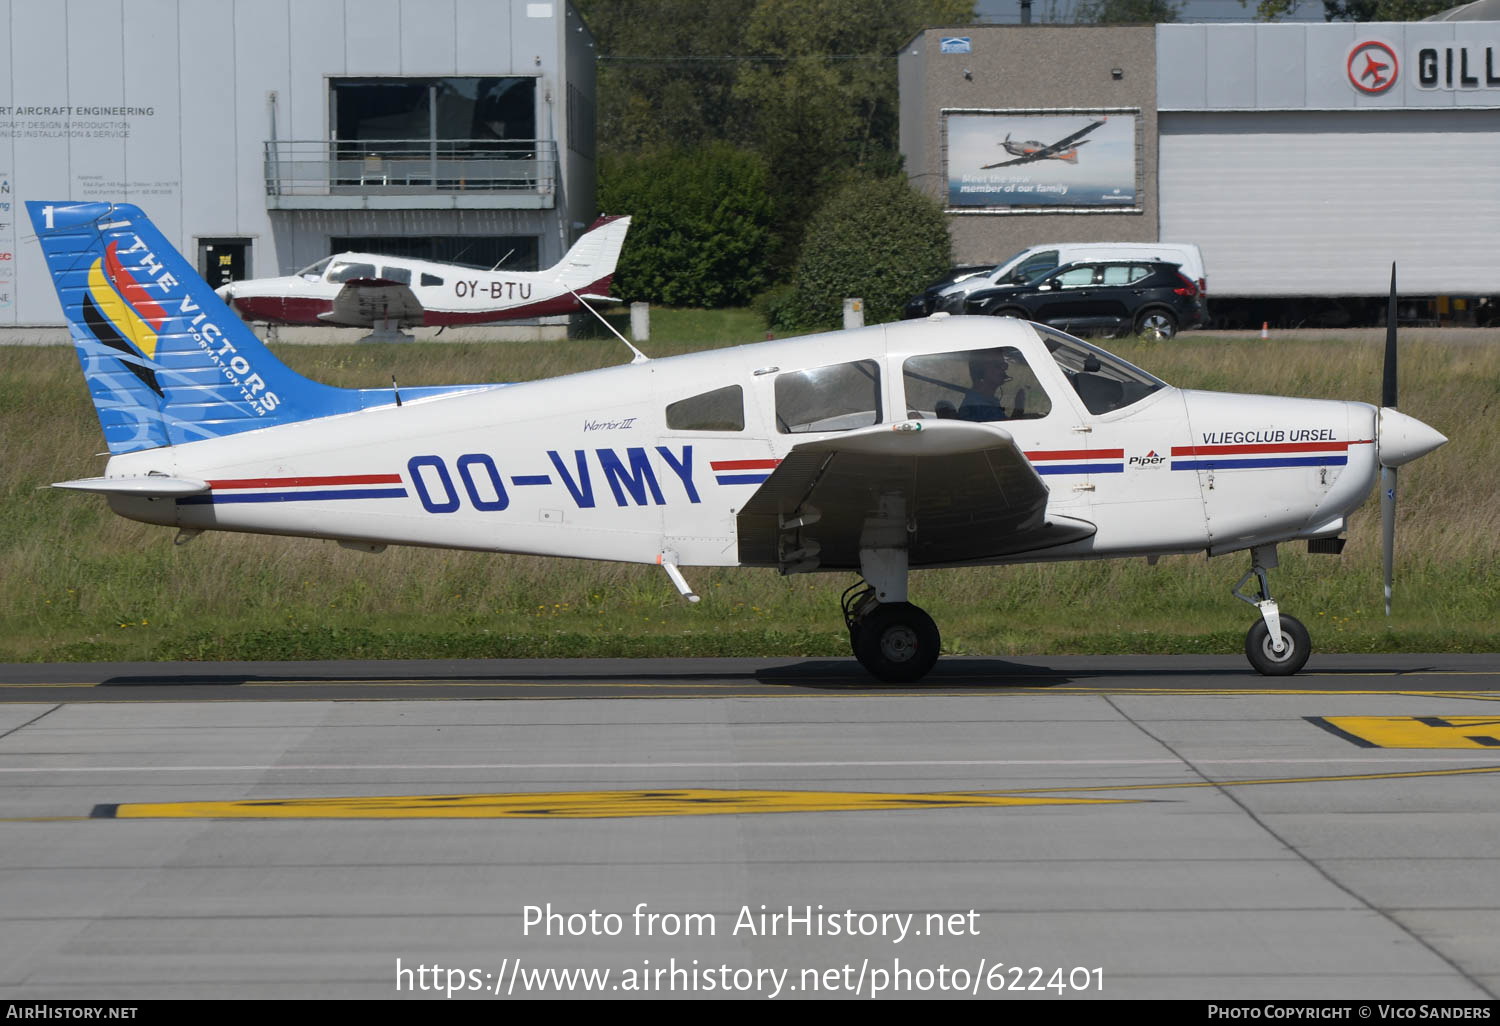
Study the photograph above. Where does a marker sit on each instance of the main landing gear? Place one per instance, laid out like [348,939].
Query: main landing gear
[893,639]
[1276,645]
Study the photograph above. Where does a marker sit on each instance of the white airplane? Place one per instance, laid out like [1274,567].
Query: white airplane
[947,441]
[390,293]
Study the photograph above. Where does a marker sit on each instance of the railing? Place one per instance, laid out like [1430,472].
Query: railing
[417,167]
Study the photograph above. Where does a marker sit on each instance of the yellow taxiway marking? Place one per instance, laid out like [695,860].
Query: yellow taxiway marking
[1260,781]
[1415,731]
[577,805]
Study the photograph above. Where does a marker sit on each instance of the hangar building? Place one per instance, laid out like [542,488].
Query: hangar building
[1301,158]
[262,136]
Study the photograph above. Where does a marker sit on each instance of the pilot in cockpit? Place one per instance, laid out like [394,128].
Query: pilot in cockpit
[989,371]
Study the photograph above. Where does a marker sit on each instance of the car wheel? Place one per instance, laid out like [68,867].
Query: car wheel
[1012,311]
[1157,324]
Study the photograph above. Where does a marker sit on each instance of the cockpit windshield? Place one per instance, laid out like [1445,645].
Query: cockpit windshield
[1102,380]
[315,270]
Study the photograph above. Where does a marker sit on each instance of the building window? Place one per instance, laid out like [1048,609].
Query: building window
[409,115]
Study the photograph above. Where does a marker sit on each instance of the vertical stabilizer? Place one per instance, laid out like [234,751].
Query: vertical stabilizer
[166,361]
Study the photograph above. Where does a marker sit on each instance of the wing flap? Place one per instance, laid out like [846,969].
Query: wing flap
[951,492]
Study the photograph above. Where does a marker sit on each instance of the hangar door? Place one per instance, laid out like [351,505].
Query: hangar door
[1319,203]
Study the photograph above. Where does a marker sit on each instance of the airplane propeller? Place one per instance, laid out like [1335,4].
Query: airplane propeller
[1399,439]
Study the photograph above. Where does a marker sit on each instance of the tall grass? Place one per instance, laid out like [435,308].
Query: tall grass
[81,583]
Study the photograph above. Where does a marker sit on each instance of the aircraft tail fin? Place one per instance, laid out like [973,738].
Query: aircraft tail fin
[166,361]
[589,266]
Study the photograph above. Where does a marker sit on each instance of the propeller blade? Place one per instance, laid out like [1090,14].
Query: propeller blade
[1388,379]
[1387,527]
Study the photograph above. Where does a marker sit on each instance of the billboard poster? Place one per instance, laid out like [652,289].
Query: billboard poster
[1004,160]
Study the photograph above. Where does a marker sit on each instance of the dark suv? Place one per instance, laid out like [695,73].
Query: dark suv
[1108,297]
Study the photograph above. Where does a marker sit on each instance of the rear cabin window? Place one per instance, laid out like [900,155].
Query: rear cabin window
[723,409]
[400,275]
[431,279]
[840,397]
[977,385]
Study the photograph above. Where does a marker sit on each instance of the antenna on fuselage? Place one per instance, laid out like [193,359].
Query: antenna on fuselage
[501,261]
[640,357]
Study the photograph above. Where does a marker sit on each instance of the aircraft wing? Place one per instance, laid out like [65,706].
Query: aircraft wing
[363,301]
[951,492]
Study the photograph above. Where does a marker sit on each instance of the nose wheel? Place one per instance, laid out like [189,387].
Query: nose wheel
[1276,645]
[896,641]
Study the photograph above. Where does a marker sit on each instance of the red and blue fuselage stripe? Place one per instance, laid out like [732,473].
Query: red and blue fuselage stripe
[742,472]
[307,489]
[1262,455]
[1051,462]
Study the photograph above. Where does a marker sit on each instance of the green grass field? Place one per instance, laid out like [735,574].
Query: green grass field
[82,584]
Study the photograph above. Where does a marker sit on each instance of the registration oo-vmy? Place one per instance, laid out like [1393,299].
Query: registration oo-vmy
[949,441]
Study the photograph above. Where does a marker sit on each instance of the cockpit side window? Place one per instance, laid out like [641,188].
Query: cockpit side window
[346,272]
[840,397]
[316,270]
[723,409]
[976,384]
[1103,381]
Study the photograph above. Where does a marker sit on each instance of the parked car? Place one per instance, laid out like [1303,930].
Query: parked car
[1034,261]
[1150,297]
[920,305]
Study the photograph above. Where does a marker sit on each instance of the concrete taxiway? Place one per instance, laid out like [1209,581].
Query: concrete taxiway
[1175,828]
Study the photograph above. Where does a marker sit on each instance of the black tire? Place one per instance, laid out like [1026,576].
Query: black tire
[1011,311]
[1156,323]
[1267,660]
[896,642]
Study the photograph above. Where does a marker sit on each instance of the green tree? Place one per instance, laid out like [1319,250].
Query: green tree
[700,233]
[666,72]
[875,238]
[824,94]
[1357,10]
[1127,12]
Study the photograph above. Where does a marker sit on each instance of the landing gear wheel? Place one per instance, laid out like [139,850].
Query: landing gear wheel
[896,642]
[1156,324]
[1263,655]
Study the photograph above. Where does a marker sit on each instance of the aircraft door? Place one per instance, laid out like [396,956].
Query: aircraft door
[715,451]
[222,261]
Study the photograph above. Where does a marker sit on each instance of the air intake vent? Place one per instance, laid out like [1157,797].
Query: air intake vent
[1329,546]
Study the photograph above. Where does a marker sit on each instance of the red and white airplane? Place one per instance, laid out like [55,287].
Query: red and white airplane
[363,290]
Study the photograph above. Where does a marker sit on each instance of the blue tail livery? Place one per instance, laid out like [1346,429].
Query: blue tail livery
[166,361]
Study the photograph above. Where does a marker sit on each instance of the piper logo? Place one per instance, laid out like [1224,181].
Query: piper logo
[1150,461]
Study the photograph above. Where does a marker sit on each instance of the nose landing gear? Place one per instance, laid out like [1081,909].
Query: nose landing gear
[1276,645]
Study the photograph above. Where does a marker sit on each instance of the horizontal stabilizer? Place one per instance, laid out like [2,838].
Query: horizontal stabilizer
[148,487]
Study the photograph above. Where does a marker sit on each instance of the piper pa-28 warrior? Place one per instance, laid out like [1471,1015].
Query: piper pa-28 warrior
[361,290]
[946,441]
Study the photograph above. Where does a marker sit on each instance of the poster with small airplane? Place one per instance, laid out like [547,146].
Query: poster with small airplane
[1029,160]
